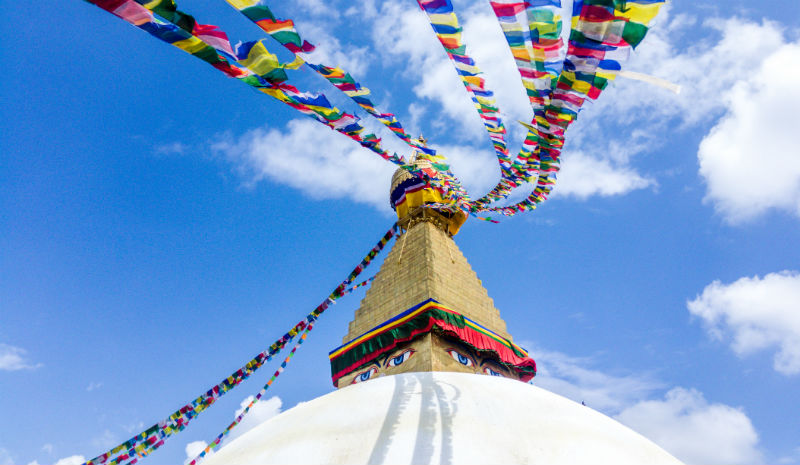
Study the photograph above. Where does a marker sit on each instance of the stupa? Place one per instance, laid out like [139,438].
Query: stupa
[428,373]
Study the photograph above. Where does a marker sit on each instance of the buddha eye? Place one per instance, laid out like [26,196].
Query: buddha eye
[491,372]
[398,360]
[365,375]
[460,358]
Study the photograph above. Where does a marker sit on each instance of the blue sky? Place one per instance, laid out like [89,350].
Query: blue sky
[160,224]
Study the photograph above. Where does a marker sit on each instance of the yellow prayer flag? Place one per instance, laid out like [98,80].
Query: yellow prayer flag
[520,54]
[239,4]
[641,14]
[448,19]
[296,63]
[259,60]
[191,45]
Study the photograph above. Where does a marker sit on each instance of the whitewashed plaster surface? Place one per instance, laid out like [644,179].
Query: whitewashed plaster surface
[441,418]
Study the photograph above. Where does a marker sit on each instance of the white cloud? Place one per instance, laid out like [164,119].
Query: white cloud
[362,9]
[406,33]
[174,148]
[476,169]
[13,358]
[329,51]
[105,440]
[706,69]
[262,411]
[193,449]
[570,377]
[682,422]
[742,71]
[72,460]
[134,427]
[750,159]
[583,176]
[317,7]
[93,385]
[487,45]
[794,457]
[5,457]
[312,158]
[758,313]
[696,432]
[715,72]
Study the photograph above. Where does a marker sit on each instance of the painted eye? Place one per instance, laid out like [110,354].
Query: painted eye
[462,359]
[491,372]
[398,360]
[365,375]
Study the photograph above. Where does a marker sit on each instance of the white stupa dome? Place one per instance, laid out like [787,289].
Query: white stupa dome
[440,418]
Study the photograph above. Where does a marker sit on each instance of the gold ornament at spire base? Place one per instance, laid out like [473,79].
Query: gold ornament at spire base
[415,201]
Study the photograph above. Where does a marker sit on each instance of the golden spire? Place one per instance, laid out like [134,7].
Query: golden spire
[425,277]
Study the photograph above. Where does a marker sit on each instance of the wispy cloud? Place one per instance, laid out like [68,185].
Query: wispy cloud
[757,313]
[743,72]
[93,385]
[407,34]
[312,158]
[262,411]
[574,378]
[173,148]
[694,430]
[682,421]
[5,457]
[105,440]
[716,74]
[749,159]
[71,460]
[583,176]
[329,50]
[706,68]
[794,457]
[14,358]
[193,449]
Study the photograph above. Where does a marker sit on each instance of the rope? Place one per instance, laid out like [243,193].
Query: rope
[402,247]
[154,437]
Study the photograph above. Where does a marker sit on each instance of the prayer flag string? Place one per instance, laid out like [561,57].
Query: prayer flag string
[284,32]
[218,440]
[447,29]
[533,33]
[602,34]
[250,62]
[154,437]
[361,284]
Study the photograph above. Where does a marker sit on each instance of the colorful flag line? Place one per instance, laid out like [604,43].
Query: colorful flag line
[602,34]
[218,440]
[447,29]
[154,437]
[284,32]
[250,62]
[533,33]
